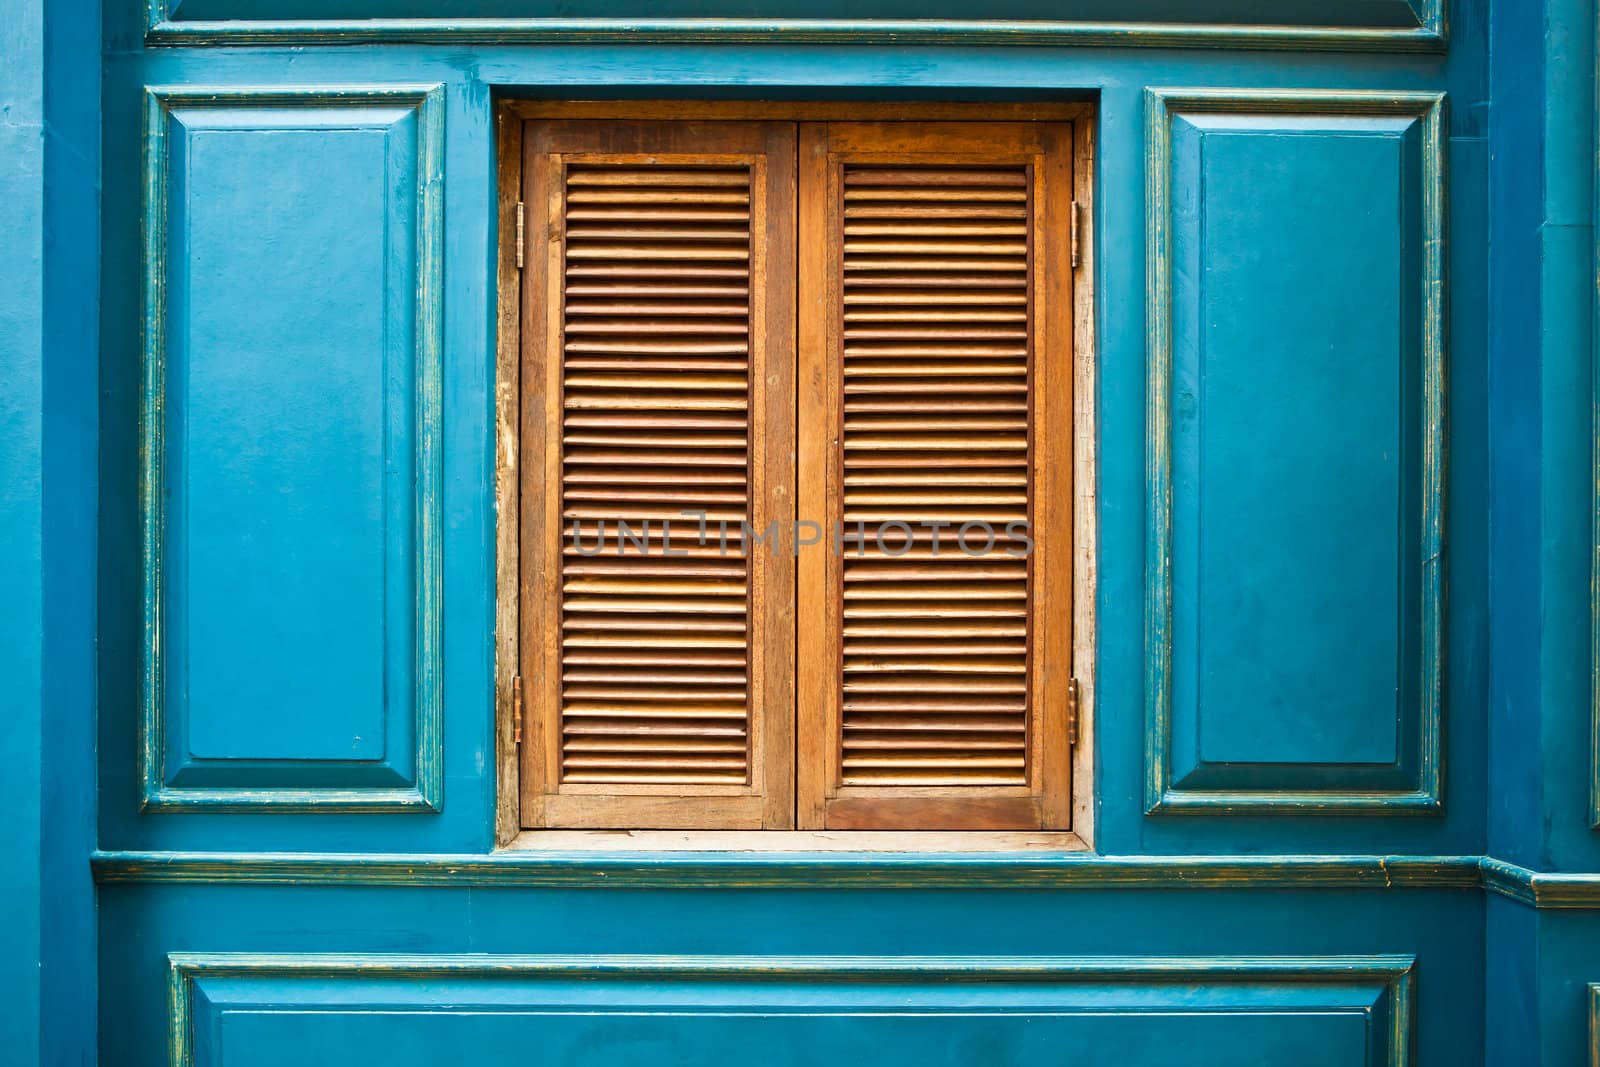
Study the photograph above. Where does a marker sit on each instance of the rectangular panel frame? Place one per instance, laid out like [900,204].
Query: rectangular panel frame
[1379,989]
[425,786]
[1161,795]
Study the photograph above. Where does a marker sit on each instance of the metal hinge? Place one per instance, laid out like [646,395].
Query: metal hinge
[522,227]
[516,707]
[1072,711]
[1077,252]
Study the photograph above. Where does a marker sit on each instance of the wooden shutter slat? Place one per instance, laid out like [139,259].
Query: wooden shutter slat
[661,674]
[938,361]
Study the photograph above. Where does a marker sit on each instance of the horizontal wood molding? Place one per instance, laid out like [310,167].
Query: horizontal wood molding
[850,870]
[1538,889]
[1431,36]
[804,110]
[795,870]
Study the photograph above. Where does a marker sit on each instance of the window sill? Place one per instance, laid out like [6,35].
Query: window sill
[789,841]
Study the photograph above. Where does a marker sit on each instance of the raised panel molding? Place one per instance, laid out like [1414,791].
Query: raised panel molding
[290,655]
[1311,25]
[1281,355]
[1316,1010]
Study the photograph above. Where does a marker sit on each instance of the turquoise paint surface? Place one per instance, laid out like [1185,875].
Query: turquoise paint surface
[472,77]
[1521,392]
[286,503]
[1296,445]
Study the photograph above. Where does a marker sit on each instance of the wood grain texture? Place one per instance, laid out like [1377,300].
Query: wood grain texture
[936,346]
[507,495]
[662,259]
[924,278]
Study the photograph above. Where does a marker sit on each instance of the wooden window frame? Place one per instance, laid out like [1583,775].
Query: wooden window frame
[509,816]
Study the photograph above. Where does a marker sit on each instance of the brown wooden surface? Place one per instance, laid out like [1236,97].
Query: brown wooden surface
[929,211]
[806,110]
[936,351]
[660,334]
[507,402]
[1084,483]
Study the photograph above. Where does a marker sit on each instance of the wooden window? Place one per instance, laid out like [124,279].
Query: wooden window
[795,519]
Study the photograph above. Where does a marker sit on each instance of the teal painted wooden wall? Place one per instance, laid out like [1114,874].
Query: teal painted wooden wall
[1345,279]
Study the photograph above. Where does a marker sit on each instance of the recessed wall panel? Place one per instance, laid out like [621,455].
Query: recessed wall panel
[1321,1012]
[290,415]
[1296,421]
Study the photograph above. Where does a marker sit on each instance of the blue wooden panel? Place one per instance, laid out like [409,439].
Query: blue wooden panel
[1296,443]
[1336,1011]
[291,408]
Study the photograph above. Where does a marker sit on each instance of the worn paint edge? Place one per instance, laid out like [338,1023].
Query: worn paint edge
[1161,797]
[1430,36]
[792,870]
[426,791]
[1541,890]
[1393,1009]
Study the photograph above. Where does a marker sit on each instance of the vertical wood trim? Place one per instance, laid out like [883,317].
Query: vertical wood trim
[772,459]
[507,405]
[539,681]
[1085,581]
[1050,599]
[816,636]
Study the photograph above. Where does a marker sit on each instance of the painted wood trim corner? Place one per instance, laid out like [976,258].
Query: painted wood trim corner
[1540,890]
[426,791]
[1426,798]
[728,870]
[1429,37]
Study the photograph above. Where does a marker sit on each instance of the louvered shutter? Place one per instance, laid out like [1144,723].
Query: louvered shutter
[935,352]
[658,380]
